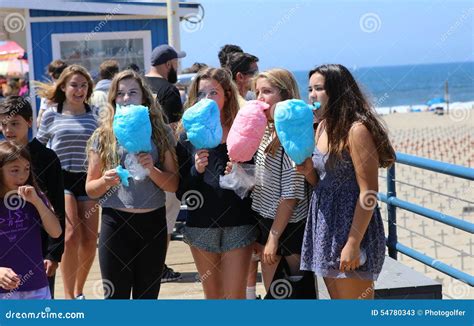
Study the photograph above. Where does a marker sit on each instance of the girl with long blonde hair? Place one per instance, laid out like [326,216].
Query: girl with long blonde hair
[280,197]
[132,243]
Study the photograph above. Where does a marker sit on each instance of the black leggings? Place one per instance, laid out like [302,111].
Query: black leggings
[132,252]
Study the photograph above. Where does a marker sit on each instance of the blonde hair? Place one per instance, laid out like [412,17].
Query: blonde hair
[286,84]
[224,78]
[104,135]
[53,91]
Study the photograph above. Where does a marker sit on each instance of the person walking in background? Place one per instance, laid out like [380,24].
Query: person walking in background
[54,70]
[67,129]
[107,70]
[243,67]
[344,239]
[161,77]
[225,51]
[16,117]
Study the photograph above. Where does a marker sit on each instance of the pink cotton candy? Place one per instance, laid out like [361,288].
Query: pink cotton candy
[247,131]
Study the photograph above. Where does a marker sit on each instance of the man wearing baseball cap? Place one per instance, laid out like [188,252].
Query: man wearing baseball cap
[161,77]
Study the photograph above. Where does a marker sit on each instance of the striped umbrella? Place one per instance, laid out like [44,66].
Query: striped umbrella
[14,67]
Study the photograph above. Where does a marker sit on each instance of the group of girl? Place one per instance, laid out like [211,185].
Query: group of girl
[313,215]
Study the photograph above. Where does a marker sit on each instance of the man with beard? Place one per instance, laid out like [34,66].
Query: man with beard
[161,77]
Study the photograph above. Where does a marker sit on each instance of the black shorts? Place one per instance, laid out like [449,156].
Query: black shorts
[290,241]
[75,184]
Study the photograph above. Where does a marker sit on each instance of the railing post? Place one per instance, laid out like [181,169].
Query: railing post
[392,213]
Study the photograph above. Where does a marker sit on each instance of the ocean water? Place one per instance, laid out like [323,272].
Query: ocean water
[409,85]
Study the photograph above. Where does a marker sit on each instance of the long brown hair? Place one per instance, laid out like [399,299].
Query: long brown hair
[224,78]
[104,135]
[10,152]
[53,91]
[347,105]
[287,86]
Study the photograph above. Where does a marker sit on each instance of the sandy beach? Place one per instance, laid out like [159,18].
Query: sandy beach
[447,138]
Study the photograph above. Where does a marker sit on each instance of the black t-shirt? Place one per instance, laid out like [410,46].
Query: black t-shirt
[47,170]
[213,206]
[168,96]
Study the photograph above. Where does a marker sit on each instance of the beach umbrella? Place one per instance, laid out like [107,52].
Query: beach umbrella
[436,100]
[14,67]
[10,50]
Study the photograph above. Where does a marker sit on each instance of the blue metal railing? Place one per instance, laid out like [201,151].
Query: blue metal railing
[390,198]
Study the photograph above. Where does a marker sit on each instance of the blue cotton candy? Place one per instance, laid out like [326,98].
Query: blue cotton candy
[294,127]
[203,125]
[132,127]
[123,174]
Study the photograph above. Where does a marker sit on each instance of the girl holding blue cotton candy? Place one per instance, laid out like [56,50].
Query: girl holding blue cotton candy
[219,226]
[344,239]
[131,165]
[281,195]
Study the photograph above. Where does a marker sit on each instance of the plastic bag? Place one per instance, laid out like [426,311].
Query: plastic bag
[241,179]
[136,170]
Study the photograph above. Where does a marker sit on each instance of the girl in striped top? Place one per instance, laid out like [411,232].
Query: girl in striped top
[281,195]
[67,128]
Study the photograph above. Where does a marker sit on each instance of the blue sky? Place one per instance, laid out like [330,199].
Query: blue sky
[300,34]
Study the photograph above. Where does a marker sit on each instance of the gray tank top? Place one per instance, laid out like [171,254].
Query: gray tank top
[139,194]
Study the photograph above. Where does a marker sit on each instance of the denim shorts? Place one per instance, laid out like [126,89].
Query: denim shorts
[75,185]
[219,240]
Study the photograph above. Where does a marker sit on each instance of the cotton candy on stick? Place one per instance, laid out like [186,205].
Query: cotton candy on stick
[247,131]
[203,125]
[132,128]
[294,127]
